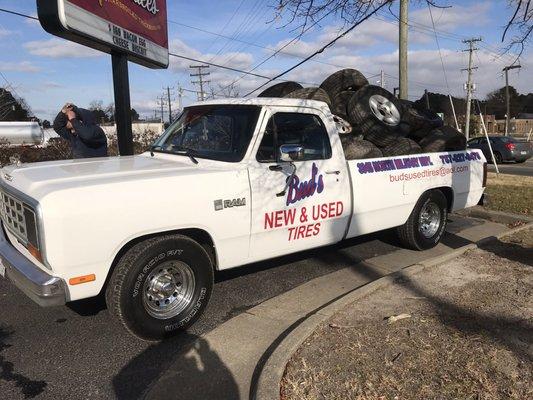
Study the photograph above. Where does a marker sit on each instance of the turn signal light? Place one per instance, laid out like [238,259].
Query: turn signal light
[81,279]
[34,252]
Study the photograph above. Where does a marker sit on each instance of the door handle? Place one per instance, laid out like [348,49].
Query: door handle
[333,172]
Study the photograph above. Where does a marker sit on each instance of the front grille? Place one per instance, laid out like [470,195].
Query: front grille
[13,213]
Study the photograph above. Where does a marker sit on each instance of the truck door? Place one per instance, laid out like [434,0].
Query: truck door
[304,209]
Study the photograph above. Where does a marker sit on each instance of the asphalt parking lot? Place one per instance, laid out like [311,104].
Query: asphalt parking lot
[78,351]
[524,169]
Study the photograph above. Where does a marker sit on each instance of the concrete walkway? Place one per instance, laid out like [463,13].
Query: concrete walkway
[227,363]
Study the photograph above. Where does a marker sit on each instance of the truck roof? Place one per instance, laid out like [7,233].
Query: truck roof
[267,101]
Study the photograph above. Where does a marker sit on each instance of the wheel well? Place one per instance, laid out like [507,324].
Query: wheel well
[448,193]
[199,235]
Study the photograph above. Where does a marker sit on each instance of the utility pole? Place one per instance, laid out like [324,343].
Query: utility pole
[180,97]
[404,7]
[169,106]
[161,104]
[426,95]
[469,85]
[508,114]
[201,82]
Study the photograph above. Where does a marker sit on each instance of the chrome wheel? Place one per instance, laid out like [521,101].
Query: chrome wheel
[429,219]
[384,110]
[168,289]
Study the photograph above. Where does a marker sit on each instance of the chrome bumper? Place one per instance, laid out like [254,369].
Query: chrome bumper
[44,289]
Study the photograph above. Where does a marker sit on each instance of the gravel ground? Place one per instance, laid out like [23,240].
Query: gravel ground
[467,334]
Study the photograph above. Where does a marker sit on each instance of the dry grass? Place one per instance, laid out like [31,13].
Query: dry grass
[510,193]
[469,336]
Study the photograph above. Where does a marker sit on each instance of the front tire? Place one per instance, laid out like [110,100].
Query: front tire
[160,286]
[427,222]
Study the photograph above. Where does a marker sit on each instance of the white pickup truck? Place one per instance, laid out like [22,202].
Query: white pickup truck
[229,183]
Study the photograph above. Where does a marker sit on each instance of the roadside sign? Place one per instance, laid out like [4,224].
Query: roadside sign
[136,28]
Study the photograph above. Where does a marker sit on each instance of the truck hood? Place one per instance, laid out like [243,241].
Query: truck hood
[38,179]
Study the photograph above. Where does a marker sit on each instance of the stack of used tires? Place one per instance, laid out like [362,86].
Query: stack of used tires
[382,125]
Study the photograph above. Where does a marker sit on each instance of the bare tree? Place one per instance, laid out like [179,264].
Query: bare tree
[307,13]
[231,90]
[519,27]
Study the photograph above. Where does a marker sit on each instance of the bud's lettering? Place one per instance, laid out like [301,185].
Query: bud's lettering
[148,5]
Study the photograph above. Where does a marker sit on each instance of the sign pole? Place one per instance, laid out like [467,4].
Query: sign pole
[121,84]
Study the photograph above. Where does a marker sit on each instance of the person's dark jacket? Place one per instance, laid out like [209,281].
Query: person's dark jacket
[88,140]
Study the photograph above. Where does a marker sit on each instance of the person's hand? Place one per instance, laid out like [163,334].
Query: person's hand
[71,114]
[67,107]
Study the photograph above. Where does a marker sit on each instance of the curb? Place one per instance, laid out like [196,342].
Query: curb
[268,386]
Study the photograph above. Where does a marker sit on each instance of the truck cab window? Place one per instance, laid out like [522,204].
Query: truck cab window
[216,132]
[295,128]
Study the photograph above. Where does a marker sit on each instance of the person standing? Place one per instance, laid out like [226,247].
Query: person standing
[78,126]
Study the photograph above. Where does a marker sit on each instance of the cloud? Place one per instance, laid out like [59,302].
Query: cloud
[23,66]
[52,85]
[4,32]
[58,48]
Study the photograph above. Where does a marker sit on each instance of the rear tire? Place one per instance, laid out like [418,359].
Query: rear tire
[375,112]
[498,157]
[445,138]
[345,79]
[427,222]
[280,89]
[160,286]
[310,93]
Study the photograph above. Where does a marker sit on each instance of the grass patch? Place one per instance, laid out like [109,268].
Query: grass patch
[510,193]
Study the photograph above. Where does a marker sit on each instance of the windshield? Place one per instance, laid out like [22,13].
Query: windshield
[217,132]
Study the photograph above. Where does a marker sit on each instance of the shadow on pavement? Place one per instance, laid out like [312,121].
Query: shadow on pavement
[184,367]
[28,387]
[510,251]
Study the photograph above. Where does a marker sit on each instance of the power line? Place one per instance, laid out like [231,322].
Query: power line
[19,14]
[200,74]
[332,42]
[438,46]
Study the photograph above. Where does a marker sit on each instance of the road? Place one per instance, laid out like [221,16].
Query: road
[78,351]
[524,169]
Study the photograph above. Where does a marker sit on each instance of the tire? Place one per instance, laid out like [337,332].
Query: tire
[420,119]
[343,80]
[443,139]
[403,146]
[311,93]
[415,233]
[131,292]
[357,149]
[366,114]
[498,157]
[280,89]
[339,104]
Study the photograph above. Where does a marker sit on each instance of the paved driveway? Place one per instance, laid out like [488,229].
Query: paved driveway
[78,351]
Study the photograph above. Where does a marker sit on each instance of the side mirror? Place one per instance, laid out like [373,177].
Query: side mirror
[291,152]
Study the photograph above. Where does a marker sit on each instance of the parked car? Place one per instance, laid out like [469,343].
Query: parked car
[505,148]
[231,182]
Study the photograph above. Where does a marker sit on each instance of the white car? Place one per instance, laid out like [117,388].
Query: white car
[229,183]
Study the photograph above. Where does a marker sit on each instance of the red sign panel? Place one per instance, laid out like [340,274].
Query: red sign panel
[135,27]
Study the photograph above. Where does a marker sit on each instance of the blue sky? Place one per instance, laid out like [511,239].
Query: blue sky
[49,71]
